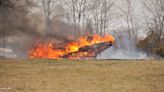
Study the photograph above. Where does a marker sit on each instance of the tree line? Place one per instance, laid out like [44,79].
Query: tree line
[81,17]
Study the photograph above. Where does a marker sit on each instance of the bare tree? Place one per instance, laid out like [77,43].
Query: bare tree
[76,10]
[48,9]
[155,17]
[100,11]
[127,14]
[106,12]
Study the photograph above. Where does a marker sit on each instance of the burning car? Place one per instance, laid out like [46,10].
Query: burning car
[86,47]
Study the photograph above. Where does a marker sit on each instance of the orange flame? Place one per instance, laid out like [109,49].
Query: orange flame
[48,50]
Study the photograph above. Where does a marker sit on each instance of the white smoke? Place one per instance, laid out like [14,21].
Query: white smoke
[113,53]
[124,48]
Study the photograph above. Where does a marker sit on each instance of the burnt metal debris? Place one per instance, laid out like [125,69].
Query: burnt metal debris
[88,52]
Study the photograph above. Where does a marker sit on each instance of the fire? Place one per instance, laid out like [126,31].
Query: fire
[48,50]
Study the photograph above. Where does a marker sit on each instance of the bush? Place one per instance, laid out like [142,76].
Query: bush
[160,51]
[152,44]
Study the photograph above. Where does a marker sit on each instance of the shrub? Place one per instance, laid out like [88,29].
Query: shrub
[152,44]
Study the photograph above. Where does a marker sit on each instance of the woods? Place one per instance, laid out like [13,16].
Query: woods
[65,20]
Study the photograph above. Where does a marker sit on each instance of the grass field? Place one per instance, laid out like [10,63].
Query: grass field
[81,76]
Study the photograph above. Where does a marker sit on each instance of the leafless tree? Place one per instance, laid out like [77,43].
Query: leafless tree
[154,19]
[12,10]
[127,14]
[48,9]
[76,11]
[100,11]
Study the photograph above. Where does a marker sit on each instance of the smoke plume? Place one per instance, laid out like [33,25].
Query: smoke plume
[124,48]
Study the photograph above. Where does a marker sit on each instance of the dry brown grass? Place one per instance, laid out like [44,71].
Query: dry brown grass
[81,76]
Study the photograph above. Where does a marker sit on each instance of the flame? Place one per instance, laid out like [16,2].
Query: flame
[48,50]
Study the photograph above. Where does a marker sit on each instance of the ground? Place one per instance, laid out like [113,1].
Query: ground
[81,76]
